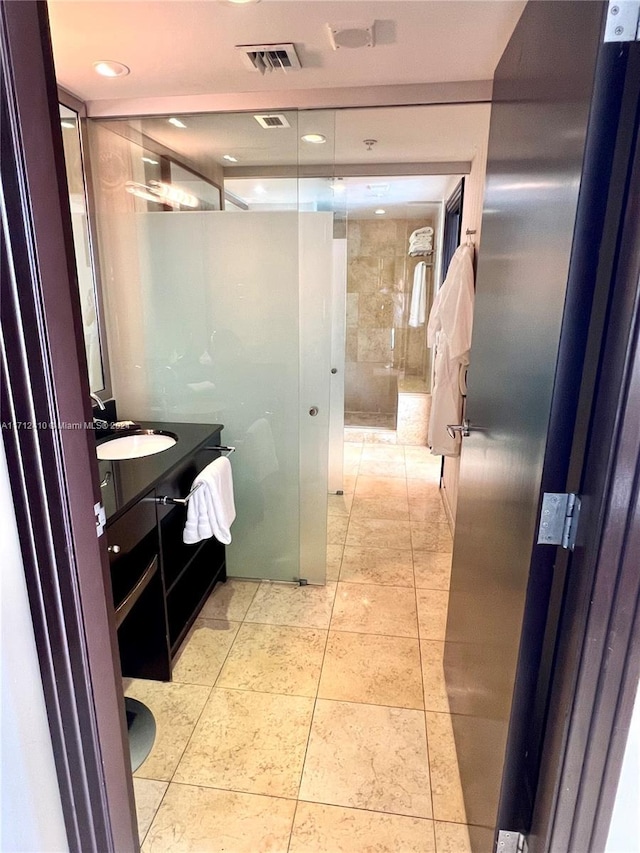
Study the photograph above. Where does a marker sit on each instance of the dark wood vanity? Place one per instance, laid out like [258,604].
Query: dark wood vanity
[159,583]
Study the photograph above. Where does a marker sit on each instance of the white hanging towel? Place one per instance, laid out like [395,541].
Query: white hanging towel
[211,509]
[418,308]
[449,331]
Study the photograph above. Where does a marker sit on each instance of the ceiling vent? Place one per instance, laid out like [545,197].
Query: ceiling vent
[352,35]
[272,120]
[269,57]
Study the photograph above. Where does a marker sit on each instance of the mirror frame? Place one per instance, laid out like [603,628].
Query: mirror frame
[66,99]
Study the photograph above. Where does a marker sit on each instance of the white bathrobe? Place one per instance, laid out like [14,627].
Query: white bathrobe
[449,331]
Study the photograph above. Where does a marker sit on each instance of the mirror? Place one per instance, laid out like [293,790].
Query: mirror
[87,282]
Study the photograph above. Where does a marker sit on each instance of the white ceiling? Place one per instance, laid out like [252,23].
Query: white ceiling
[182,47]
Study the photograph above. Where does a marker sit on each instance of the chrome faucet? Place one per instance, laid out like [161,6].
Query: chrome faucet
[97,401]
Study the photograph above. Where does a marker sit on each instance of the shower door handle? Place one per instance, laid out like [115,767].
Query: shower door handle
[313,411]
[462,428]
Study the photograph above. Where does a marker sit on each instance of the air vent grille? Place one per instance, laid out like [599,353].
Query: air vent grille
[272,120]
[269,57]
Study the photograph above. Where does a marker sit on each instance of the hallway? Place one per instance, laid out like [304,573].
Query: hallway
[309,719]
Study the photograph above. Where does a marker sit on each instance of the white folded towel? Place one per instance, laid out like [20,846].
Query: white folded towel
[211,509]
[418,310]
[427,231]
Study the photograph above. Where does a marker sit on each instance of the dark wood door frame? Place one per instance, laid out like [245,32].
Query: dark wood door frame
[51,456]
[597,659]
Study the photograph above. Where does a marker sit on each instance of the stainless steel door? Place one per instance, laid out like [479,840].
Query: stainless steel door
[542,98]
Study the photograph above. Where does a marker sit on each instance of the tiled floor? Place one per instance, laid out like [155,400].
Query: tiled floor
[315,719]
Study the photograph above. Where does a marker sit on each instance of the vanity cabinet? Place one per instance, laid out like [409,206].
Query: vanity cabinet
[159,584]
[138,592]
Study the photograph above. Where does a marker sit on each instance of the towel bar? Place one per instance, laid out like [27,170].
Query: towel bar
[223,448]
[166,499]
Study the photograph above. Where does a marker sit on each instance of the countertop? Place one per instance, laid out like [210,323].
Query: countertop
[126,481]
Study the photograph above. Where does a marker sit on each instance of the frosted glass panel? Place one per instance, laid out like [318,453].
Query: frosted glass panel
[222,334]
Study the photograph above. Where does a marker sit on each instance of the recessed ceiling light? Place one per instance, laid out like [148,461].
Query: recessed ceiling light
[149,160]
[315,138]
[177,123]
[242,2]
[230,158]
[379,212]
[110,68]
[67,124]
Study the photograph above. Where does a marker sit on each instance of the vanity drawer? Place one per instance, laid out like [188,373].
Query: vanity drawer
[133,544]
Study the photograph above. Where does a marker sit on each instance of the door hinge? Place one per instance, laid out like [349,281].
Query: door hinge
[623,21]
[559,518]
[511,842]
[101,519]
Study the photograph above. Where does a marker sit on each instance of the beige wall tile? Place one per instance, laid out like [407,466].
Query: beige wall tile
[331,829]
[372,669]
[369,757]
[369,609]
[247,741]
[194,819]
[374,343]
[275,659]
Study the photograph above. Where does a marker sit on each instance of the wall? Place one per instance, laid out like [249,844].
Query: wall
[624,832]
[31,809]
[471,219]
[379,280]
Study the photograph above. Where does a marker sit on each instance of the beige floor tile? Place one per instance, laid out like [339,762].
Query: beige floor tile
[452,838]
[202,820]
[384,487]
[427,508]
[339,505]
[334,561]
[176,708]
[230,600]
[349,483]
[288,604]
[337,529]
[432,569]
[351,466]
[382,468]
[418,453]
[431,536]
[427,470]
[372,669]
[367,756]
[389,508]
[435,688]
[448,802]
[372,609]
[148,795]
[332,829]
[204,651]
[379,533]
[422,488]
[275,659]
[252,742]
[432,613]
[378,566]
[382,453]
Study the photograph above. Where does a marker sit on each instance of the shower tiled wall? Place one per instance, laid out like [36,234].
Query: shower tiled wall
[379,345]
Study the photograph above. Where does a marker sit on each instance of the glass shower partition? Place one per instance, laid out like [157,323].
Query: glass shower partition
[222,316]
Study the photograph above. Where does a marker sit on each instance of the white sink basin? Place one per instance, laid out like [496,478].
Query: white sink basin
[143,442]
